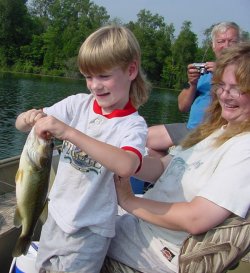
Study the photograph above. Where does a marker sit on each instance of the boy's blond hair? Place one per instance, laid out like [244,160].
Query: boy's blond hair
[114,46]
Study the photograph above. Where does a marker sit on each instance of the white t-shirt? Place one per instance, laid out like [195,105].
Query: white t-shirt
[83,194]
[221,175]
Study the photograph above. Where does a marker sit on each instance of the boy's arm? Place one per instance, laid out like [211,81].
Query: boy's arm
[124,163]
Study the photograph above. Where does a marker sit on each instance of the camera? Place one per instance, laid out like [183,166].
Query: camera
[201,68]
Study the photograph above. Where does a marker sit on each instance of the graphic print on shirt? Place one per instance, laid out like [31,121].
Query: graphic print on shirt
[176,169]
[79,159]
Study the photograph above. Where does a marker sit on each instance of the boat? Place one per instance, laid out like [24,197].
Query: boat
[9,233]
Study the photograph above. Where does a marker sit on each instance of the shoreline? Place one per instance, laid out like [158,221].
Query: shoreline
[80,78]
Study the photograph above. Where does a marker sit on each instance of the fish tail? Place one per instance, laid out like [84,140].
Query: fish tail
[21,247]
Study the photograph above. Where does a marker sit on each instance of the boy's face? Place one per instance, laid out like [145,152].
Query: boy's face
[111,89]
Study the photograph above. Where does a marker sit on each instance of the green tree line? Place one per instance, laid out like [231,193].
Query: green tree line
[44,36]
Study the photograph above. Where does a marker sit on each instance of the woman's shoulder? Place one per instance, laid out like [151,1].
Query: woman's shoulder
[239,144]
[242,138]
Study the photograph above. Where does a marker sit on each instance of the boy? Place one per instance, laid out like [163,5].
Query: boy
[102,134]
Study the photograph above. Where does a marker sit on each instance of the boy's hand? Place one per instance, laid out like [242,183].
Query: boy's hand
[26,120]
[32,116]
[50,126]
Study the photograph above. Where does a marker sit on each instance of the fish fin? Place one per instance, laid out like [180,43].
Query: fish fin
[17,218]
[19,175]
[22,246]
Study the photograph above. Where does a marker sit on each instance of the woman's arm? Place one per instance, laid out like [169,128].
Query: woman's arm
[152,168]
[194,217]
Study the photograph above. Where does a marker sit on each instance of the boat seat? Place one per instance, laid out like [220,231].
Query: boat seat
[112,266]
[225,248]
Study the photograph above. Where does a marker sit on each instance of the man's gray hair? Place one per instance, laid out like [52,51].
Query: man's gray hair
[224,26]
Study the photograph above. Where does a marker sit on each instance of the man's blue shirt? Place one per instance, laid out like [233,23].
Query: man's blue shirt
[202,101]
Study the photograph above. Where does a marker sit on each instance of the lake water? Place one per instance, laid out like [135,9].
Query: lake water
[20,92]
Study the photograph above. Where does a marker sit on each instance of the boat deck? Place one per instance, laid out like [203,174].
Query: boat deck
[7,210]
[8,232]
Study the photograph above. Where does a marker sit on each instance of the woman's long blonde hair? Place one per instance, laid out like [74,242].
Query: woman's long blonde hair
[239,56]
[114,46]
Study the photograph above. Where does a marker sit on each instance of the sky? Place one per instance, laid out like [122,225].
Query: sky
[202,14]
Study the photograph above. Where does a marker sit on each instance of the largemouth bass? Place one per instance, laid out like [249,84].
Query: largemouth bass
[32,183]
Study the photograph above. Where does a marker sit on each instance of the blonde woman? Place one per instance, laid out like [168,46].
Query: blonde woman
[203,182]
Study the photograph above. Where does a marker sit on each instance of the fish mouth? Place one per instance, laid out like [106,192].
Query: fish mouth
[40,152]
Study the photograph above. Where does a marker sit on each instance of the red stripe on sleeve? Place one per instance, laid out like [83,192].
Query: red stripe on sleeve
[128,148]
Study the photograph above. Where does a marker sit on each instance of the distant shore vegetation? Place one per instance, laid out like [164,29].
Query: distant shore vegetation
[44,36]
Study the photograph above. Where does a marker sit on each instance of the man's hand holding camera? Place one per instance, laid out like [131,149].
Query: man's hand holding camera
[210,66]
[195,70]
[193,74]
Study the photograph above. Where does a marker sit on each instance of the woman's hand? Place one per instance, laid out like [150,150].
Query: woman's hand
[123,190]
